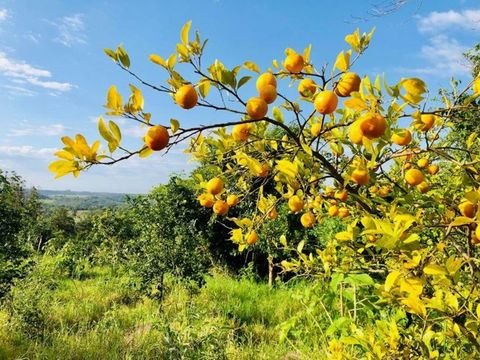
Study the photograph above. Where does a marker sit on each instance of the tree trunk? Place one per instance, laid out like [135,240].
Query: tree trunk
[270,271]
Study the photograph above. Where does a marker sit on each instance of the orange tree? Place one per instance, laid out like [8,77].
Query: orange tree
[360,149]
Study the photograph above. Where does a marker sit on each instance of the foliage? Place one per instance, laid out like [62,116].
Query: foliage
[411,235]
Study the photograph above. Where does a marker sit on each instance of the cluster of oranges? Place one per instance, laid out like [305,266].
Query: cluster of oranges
[469,210]
[415,176]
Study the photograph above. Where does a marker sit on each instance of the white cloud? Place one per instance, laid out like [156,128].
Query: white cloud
[4,14]
[21,72]
[19,90]
[448,20]
[27,150]
[44,130]
[444,56]
[71,30]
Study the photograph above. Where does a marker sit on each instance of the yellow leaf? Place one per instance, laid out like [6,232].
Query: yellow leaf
[251,66]
[288,168]
[391,279]
[103,130]
[283,240]
[64,155]
[115,131]
[355,104]
[354,40]
[415,305]
[343,61]
[174,125]
[433,269]
[157,59]
[145,152]
[184,32]
[237,235]
[412,286]
[114,100]
[171,61]
[453,264]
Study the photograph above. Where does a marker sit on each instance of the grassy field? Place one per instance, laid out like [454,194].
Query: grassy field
[101,315]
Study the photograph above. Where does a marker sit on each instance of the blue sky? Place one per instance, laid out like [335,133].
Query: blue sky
[54,75]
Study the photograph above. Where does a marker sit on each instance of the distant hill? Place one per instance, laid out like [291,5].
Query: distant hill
[81,200]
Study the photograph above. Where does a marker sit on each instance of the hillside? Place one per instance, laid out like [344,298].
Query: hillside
[81,200]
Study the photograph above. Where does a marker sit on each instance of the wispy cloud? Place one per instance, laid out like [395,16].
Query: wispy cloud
[4,15]
[23,73]
[19,90]
[71,30]
[43,130]
[27,150]
[448,20]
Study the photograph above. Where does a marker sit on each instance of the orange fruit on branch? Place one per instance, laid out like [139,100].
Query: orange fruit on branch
[252,238]
[414,177]
[295,204]
[232,200]
[307,220]
[157,137]
[268,93]
[468,209]
[307,87]
[241,132]
[326,102]
[186,97]
[372,125]
[426,122]
[347,84]
[294,63]
[402,137]
[215,186]
[257,108]
[206,200]
[266,79]
[360,176]
[220,208]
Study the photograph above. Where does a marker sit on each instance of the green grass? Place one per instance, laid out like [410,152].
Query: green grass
[50,316]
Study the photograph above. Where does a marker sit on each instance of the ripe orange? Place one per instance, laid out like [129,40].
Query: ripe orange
[257,108]
[360,176]
[264,170]
[307,220]
[186,97]
[423,187]
[355,134]
[295,203]
[220,208]
[266,79]
[252,238]
[467,209]
[157,137]
[348,83]
[333,210]
[241,132]
[215,186]
[326,102]
[407,166]
[384,191]
[341,195]
[272,214]
[402,137]
[294,63]
[268,93]
[426,122]
[206,200]
[433,169]
[414,177]
[316,129]
[307,87]
[422,163]
[372,125]
[232,200]
[343,212]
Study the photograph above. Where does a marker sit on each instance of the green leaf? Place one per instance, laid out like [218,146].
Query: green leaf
[157,59]
[300,246]
[174,125]
[112,54]
[243,81]
[359,279]
[184,32]
[283,240]
[277,114]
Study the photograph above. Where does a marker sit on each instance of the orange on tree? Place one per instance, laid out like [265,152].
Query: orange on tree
[241,132]
[268,93]
[186,96]
[263,171]
[426,122]
[423,187]
[414,177]
[433,169]
[333,210]
[206,200]
[326,102]
[157,138]
[295,204]
[256,108]
[422,163]
[215,186]
[266,79]
[294,63]
[360,176]
[407,166]
[341,195]
[402,137]
[272,213]
[348,83]
[372,125]
[307,87]
[252,238]
[220,208]
[232,200]
[468,209]
[355,133]
[343,212]
[307,220]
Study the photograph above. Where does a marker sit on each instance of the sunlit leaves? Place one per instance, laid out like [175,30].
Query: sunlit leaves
[114,101]
[111,133]
[342,62]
